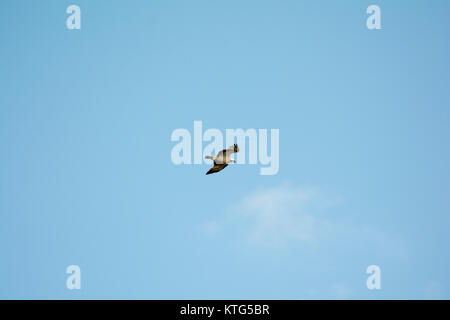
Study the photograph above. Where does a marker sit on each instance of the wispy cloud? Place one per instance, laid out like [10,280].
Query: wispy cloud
[288,215]
[275,217]
[279,215]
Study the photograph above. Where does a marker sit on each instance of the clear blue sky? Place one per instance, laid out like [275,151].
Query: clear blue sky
[85,171]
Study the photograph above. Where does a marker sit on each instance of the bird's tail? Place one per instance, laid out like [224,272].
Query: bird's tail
[210,157]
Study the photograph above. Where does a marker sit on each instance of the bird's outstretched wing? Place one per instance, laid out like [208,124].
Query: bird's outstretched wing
[227,152]
[234,148]
[217,167]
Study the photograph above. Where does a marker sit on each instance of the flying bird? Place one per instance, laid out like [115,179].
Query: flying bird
[222,159]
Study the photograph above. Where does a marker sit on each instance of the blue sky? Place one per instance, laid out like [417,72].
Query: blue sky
[86,176]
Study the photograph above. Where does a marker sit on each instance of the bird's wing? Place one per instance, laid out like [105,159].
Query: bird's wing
[226,152]
[220,153]
[217,167]
[233,149]
[230,150]
[221,156]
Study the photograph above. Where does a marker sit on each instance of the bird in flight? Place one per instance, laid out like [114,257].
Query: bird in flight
[222,159]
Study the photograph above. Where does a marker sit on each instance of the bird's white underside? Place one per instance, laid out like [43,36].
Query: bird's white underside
[221,158]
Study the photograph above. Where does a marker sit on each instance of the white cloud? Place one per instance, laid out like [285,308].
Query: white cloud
[291,216]
[279,215]
[273,217]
